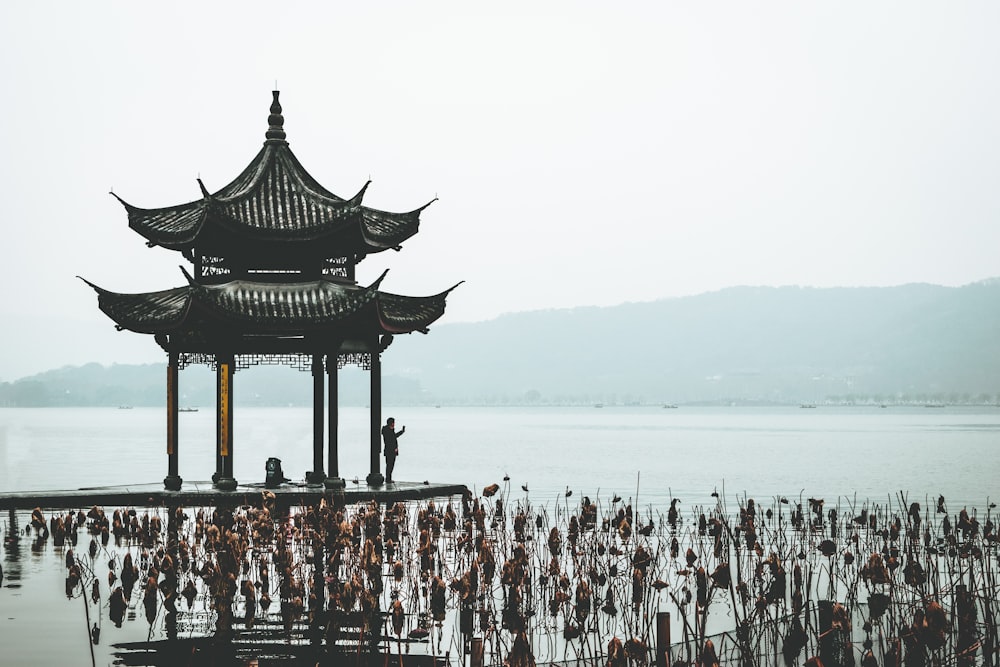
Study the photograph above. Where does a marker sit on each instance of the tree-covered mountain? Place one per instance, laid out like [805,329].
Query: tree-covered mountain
[747,343]
[744,344]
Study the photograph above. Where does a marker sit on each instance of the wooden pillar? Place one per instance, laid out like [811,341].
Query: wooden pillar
[218,424]
[375,476]
[477,654]
[224,419]
[173,481]
[333,478]
[965,614]
[662,639]
[316,475]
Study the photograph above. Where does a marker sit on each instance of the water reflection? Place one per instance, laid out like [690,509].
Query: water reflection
[10,569]
[495,575]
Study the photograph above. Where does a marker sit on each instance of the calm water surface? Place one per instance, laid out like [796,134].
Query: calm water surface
[840,454]
[687,452]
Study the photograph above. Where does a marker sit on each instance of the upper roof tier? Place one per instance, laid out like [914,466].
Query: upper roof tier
[275,309]
[274,200]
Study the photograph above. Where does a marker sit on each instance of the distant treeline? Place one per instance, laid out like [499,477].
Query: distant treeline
[145,386]
[913,344]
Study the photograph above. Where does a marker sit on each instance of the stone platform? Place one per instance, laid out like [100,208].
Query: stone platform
[205,494]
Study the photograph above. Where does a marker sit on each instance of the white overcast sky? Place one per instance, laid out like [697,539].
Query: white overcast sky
[584,153]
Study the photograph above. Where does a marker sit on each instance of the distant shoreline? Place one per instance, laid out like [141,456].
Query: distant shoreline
[652,406]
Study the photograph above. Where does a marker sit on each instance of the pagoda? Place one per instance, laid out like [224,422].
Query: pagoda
[273,257]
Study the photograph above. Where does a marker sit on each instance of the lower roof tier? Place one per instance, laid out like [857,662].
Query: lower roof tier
[282,309]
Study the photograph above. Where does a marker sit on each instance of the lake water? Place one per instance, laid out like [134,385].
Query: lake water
[840,454]
[686,452]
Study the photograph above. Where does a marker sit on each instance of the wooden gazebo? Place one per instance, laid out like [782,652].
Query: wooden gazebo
[273,282]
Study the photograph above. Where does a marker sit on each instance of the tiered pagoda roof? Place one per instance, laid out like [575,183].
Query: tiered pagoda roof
[272,308]
[275,222]
[274,200]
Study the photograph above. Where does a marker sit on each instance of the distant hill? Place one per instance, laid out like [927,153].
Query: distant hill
[913,343]
[144,385]
[784,345]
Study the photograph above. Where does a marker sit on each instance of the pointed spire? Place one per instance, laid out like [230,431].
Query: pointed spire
[93,286]
[190,279]
[378,281]
[276,122]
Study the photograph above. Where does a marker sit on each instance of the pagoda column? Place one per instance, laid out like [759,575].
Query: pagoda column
[333,479]
[316,475]
[375,476]
[224,420]
[218,426]
[173,481]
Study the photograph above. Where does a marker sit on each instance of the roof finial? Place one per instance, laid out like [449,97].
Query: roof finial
[276,122]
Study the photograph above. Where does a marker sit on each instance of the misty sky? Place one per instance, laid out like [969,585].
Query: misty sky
[583,153]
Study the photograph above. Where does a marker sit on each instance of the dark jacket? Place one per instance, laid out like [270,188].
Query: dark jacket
[389,437]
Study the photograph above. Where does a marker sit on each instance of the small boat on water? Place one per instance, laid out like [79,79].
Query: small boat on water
[670,406]
[598,405]
[808,405]
[124,407]
[187,409]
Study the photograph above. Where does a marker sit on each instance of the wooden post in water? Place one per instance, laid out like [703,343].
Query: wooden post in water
[663,639]
[476,655]
[965,614]
[826,653]
[13,530]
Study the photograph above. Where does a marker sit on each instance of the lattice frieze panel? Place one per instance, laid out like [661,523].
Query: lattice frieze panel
[362,359]
[298,361]
[185,359]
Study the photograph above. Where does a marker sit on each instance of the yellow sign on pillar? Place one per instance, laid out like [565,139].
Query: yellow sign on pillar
[224,409]
[171,398]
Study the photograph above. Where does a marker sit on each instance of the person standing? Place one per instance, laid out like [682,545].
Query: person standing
[391,448]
